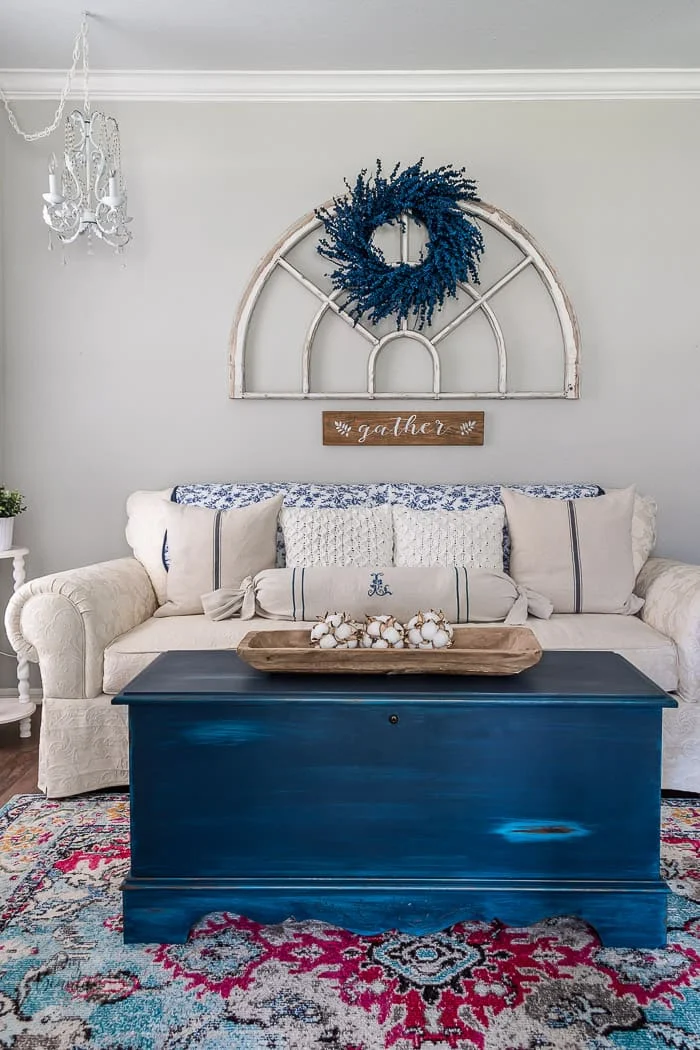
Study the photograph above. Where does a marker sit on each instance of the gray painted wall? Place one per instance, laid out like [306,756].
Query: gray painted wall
[116,379]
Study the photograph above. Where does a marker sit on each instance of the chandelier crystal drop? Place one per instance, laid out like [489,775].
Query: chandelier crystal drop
[89,194]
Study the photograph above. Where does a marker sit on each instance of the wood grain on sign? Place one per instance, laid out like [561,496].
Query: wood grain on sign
[404,428]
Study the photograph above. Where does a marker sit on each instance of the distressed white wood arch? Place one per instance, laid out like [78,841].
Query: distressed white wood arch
[532,256]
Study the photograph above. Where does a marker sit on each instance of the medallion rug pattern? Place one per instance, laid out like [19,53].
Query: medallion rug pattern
[67,981]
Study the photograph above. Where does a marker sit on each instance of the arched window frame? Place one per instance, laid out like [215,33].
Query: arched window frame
[532,256]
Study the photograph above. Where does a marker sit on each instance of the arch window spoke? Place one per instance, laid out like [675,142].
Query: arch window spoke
[497,335]
[481,300]
[327,300]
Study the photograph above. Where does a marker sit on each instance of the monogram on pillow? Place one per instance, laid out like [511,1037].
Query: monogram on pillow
[577,552]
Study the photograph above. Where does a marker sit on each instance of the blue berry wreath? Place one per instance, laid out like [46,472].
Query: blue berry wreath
[379,289]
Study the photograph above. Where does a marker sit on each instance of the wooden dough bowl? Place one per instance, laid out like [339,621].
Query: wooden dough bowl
[476,650]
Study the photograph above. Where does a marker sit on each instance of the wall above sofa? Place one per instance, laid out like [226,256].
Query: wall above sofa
[134,393]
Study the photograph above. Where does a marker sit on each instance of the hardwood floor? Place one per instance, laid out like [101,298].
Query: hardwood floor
[18,760]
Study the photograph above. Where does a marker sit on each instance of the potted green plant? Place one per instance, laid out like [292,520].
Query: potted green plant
[11,504]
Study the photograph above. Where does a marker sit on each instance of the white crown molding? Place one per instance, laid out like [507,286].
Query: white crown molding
[489,85]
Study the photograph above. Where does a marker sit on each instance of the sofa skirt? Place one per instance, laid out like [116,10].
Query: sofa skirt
[83,746]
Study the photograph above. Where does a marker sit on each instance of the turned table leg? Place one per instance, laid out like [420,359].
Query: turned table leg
[25,725]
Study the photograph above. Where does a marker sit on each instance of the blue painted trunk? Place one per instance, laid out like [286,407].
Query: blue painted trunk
[389,802]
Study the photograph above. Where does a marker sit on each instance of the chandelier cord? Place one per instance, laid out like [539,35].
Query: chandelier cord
[80,47]
[86,71]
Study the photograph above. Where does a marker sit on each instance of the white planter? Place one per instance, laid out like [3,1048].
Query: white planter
[6,527]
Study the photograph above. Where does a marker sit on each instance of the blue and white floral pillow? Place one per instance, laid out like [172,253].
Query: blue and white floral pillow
[447,496]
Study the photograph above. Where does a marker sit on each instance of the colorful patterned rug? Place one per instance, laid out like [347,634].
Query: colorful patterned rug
[67,981]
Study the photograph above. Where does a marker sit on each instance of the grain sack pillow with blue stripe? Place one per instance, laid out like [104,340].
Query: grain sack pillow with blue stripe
[213,549]
[302,594]
[577,552]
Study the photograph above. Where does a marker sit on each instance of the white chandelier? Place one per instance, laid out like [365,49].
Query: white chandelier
[89,194]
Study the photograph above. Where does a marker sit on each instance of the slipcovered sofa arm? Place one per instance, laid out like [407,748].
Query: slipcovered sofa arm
[64,621]
[671,592]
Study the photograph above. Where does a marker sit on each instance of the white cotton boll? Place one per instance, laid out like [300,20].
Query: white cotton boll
[429,630]
[344,631]
[379,643]
[318,631]
[328,642]
[441,639]
[366,640]
[414,636]
[374,628]
[335,619]
[399,645]
[413,622]
[352,643]
[391,635]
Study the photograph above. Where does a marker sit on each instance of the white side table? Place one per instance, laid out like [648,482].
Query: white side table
[20,710]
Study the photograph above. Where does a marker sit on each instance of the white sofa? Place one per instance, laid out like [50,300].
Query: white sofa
[92,630]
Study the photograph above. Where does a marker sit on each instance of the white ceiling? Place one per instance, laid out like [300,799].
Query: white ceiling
[355,34]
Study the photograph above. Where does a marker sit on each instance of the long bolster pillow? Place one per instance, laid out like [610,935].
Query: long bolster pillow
[463,595]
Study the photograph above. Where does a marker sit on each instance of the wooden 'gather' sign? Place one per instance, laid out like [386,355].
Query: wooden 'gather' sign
[410,428]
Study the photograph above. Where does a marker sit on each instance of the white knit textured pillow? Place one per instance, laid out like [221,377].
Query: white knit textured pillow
[360,536]
[449,537]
